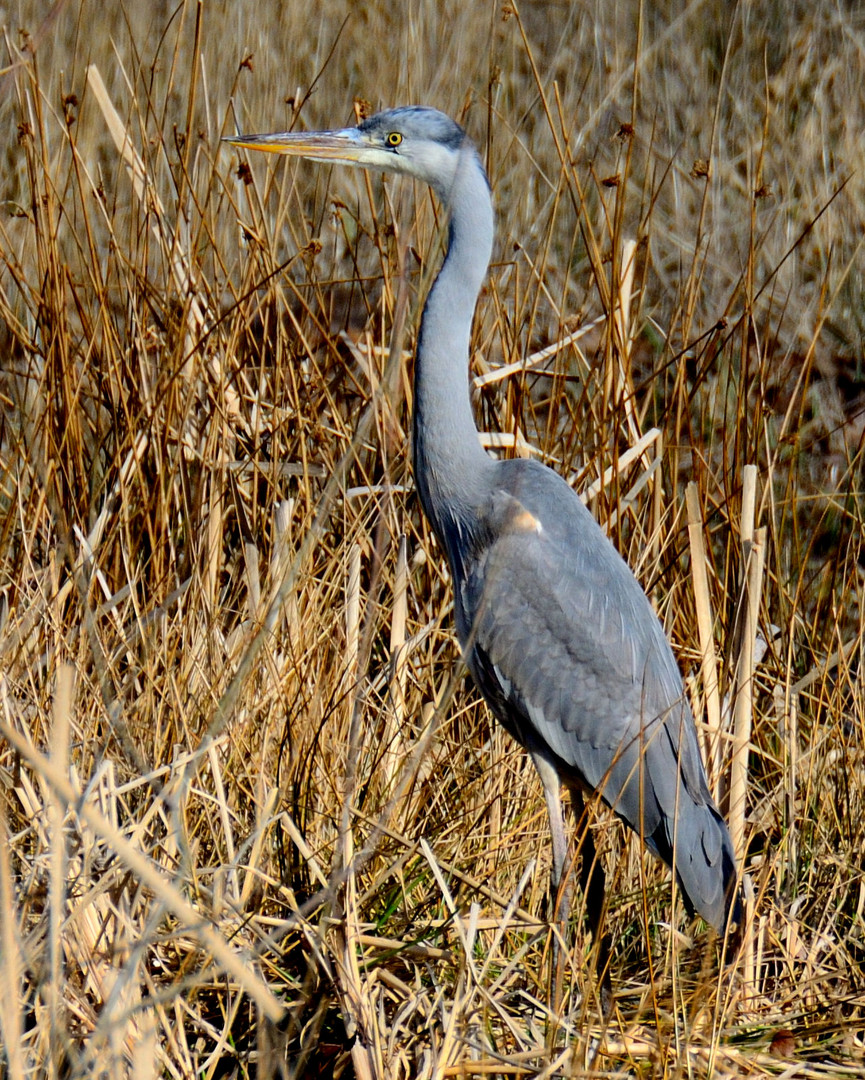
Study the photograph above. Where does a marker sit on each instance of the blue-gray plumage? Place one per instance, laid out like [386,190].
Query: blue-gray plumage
[555,629]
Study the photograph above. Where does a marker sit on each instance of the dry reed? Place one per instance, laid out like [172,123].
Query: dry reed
[254,822]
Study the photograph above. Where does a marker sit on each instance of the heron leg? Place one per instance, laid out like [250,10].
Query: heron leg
[593,884]
[560,887]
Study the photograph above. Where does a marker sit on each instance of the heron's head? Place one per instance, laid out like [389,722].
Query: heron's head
[415,141]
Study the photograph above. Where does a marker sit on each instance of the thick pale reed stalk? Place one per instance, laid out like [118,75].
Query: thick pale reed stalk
[705,624]
[753,556]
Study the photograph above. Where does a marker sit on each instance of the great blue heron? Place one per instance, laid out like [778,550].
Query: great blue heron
[554,627]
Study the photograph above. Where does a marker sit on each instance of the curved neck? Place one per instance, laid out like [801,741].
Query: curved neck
[449,460]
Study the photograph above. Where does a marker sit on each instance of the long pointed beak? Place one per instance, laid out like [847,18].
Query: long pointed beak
[345,145]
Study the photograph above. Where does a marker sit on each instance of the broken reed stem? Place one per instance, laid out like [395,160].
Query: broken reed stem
[749,503]
[708,657]
[251,563]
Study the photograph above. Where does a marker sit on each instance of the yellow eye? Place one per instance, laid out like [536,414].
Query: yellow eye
[394,138]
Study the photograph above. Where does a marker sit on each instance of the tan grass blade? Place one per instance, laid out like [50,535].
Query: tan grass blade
[227,826]
[213,555]
[507,440]
[639,449]
[530,363]
[253,867]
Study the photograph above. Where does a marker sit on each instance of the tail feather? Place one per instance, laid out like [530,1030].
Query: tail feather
[702,854]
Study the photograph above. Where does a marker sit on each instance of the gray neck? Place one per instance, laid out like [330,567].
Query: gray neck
[450,464]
